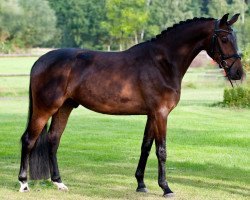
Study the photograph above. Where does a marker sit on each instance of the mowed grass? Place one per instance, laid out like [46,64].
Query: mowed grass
[16,65]
[208,152]
[15,86]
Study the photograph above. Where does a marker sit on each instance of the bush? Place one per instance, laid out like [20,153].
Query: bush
[237,97]
[246,58]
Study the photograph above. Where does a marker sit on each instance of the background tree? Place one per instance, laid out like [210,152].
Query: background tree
[99,24]
[165,13]
[79,22]
[10,13]
[25,23]
[124,19]
[38,22]
[242,27]
[217,8]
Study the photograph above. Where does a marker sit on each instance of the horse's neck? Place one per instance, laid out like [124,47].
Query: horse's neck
[183,46]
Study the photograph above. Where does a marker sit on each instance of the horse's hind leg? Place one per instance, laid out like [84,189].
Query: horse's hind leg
[58,124]
[36,125]
[145,150]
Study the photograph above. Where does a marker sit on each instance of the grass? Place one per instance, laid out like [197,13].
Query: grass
[16,65]
[208,152]
[15,86]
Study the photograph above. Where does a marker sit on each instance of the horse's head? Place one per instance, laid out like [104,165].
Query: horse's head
[224,47]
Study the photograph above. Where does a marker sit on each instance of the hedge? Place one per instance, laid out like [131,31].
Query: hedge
[237,97]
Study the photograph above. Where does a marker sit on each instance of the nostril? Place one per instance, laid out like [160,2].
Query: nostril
[238,73]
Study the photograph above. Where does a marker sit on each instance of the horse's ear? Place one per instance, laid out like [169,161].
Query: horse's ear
[224,19]
[233,19]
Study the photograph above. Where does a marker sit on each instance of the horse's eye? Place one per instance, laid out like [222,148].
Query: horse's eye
[224,39]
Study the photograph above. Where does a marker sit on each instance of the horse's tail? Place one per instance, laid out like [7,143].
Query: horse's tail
[39,155]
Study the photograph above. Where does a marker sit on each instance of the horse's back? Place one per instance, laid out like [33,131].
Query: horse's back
[52,58]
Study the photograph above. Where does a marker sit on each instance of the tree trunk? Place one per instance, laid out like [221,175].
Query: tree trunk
[142,35]
[136,38]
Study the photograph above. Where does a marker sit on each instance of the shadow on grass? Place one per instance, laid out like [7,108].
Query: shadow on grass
[120,180]
[216,177]
[116,181]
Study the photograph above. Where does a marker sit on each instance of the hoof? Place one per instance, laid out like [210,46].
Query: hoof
[24,187]
[169,195]
[144,190]
[61,186]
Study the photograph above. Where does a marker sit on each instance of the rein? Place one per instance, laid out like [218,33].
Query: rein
[223,63]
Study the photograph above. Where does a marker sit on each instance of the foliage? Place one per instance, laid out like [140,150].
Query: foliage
[79,22]
[25,23]
[216,8]
[125,18]
[164,13]
[237,97]
[246,58]
[99,24]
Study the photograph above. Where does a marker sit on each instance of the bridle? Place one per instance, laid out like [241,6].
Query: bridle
[223,63]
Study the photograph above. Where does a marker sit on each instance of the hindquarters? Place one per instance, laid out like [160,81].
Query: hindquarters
[48,92]
[49,78]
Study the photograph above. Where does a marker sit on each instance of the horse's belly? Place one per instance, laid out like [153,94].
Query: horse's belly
[111,98]
[113,105]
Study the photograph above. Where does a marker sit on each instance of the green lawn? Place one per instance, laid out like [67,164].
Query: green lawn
[208,151]
[15,86]
[16,65]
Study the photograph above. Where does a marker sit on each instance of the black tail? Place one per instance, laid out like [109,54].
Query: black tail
[39,156]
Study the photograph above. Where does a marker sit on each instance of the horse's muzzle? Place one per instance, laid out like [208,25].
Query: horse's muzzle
[236,73]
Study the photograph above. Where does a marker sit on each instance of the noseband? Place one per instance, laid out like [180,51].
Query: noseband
[223,63]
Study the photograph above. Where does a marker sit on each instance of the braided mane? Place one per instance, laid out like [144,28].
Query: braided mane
[181,23]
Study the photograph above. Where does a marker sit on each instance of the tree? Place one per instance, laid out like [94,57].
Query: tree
[124,19]
[79,22]
[165,13]
[196,8]
[10,12]
[39,22]
[217,8]
[25,23]
[242,26]
[10,25]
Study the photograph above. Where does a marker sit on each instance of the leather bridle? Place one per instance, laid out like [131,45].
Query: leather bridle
[223,63]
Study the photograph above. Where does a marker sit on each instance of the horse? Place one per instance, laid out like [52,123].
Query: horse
[142,80]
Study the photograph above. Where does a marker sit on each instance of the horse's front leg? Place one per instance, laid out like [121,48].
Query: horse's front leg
[160,142]
[145,150]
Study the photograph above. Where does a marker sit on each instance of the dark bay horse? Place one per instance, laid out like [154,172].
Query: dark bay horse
[143,80]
